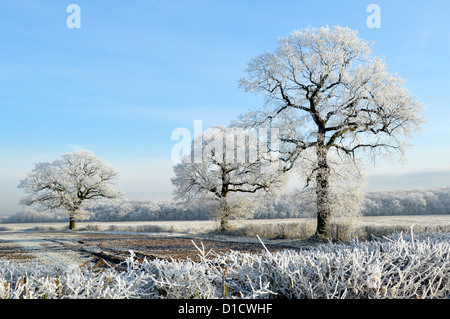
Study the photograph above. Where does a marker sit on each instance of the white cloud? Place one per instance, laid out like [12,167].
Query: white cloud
[424,37]
[428,62]
[145,178]
[75,147]
[430,179]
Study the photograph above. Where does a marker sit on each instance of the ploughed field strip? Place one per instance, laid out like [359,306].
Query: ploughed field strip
[9,250]
[110,249]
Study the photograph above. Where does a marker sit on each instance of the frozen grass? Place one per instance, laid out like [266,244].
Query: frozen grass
[293,228]
[398,266]
[364,228]
[300,229]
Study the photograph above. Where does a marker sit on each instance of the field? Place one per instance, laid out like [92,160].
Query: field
[185,260]
[53,243]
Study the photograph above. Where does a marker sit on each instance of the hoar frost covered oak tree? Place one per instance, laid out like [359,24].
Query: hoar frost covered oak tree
[233,162]
[346,190]
[326,92]
[69,182]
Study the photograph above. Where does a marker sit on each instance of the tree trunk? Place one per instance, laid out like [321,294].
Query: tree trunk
[224,222]
[224,208]
[224,216]
[322,193]
[74,211]
[71,222]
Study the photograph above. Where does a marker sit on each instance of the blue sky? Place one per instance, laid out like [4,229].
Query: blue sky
[136,70]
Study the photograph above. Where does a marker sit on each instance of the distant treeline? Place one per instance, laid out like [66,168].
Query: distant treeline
[289,205]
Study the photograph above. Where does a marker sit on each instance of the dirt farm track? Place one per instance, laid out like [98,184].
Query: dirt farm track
[54,244]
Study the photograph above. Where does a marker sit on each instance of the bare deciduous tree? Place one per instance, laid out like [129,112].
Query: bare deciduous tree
[68,182]
[223,172]
[325,91]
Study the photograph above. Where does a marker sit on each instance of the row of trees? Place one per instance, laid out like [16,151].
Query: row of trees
[408,202]
[329,103]
[287,205]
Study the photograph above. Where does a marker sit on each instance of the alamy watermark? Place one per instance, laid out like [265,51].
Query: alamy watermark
[374,19]
[232,144]
[73,21]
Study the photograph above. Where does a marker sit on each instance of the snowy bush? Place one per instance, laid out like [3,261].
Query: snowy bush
[399,266]
[33,281]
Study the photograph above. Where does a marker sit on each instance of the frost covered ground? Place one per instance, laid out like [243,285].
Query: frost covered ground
[205,226]
[50,243]
[399,266]
[187,260]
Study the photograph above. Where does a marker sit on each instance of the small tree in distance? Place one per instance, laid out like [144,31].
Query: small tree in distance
[233,163]
[69,182]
